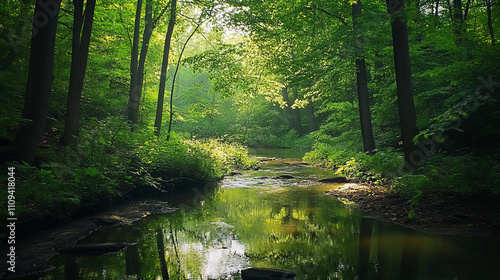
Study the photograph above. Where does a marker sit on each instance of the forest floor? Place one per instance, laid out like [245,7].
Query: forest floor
[441,213]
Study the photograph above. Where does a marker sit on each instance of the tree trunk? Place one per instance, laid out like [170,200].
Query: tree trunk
[164,67]
[458,21]
[436,12]
[490,24]
[362,83]
[407,115]
[310,117]
[173,82]
[287,109]
[36,104]
[296,114]
[467,9]
[80,52]
[136,69]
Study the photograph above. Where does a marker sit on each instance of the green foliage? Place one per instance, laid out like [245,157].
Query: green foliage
[109,159]
[332,152]
[381,168]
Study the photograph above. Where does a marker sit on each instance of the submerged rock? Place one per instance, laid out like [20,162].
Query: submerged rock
[266,274]
[284,177]
[334,180]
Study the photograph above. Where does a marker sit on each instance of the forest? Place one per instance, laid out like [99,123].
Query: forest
[101,96]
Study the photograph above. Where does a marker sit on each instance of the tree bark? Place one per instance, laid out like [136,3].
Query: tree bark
[407,115]
[164,67]
[458,21]
[135,83]
[80,52]
[467,9]
[436,12]
[362,83]
[36,104]
[287,110]
[490,23]
[296,114]
[310,117]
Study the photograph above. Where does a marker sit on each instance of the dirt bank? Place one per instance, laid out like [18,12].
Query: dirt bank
[435,213]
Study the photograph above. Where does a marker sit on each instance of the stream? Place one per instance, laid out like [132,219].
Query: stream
[262,219]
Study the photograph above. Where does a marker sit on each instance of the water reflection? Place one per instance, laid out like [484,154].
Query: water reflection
[253,220]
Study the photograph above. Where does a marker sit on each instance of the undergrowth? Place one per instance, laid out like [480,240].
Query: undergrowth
[460,174]
[108,159]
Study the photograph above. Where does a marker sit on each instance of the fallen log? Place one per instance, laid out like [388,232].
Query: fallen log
[96,249]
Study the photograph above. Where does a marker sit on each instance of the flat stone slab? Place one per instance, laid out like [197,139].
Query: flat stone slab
[266,274]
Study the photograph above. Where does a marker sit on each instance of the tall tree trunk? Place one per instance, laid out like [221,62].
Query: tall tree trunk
[467,9]
[287,109]
[136,91]
[436,12]
[296,114]
[80,52]
[407,115]
[362,83]
[450,10]
[310,117]
[173,82]
[164,67]
[490,24]
[458,21]
[36,104]
[137,85]
[133,100]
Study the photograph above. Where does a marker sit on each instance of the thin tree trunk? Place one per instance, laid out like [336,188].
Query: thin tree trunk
[133,100]
[39,83]
[450,10]
[79,59]
[310,117]
[407,114]
[490,24]
[362,83]
[287,109]
[458,21]
[164,67]
[296,114]
[173,82]
[436,13]
[467,9]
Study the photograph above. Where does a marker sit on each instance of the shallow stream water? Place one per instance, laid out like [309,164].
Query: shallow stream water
[257,219]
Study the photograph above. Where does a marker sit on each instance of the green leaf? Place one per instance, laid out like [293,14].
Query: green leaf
[91,171]
[411,214]
[439,138]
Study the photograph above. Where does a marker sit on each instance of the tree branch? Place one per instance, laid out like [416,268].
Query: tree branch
[316,8]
